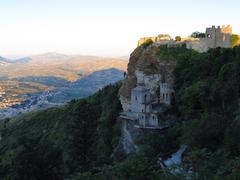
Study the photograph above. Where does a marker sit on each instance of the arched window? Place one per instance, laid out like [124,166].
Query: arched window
[167,96]
[145,98]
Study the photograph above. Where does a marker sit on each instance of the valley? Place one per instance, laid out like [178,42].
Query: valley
[13,92]
[53,79]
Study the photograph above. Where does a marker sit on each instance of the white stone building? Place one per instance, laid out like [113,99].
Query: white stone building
[166,93]
[144,108]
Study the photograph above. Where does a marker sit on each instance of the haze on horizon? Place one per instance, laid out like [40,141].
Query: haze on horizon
[103,28]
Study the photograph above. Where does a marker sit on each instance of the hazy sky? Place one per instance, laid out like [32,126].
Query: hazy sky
[103,27]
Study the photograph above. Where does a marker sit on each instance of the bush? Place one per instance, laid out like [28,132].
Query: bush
[235,39]
[147,43]
[198,35]
[178,38]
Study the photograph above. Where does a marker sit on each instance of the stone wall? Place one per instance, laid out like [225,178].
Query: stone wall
[161,37]
[214,37]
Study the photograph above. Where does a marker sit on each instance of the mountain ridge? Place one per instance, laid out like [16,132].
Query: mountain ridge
[69,68]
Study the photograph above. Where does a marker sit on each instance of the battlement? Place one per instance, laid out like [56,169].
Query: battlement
[226,29]
[214,31]
[215,36]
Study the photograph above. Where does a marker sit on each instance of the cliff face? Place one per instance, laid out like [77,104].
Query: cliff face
[149,68]
[146,67]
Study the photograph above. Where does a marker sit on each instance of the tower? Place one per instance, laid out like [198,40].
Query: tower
[140,100]
[166,93]
[219,37]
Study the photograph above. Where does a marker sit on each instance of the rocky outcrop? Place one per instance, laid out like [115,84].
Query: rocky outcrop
[145,67]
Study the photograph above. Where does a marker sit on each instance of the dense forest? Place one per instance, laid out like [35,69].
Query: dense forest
[54,143]
[79,140]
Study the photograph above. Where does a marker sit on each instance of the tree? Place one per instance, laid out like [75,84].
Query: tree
[147,43]
[178,38]
[197,34]
[235,39]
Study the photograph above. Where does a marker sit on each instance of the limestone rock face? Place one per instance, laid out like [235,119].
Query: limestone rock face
[145,67]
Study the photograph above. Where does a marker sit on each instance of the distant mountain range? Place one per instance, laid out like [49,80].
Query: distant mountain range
[52,79]
[10,61]
[66,67]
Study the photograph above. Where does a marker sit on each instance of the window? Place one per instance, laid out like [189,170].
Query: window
[163,96]
[136,98]
[145,98]
[208,35]
[167,96]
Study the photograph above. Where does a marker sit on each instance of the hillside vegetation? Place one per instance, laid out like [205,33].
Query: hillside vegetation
[78,141]
[207,87]
[54,143]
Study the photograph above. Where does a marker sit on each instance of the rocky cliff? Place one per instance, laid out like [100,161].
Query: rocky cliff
[146,66]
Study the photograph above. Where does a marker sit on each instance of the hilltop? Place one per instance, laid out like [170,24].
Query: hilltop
[220,36]
[84,140]
[174,116]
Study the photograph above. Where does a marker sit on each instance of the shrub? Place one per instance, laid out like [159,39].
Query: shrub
[147,43]
[198,35]
[178,38]
[234,40]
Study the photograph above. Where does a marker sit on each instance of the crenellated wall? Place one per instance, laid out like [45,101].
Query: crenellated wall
[214,37]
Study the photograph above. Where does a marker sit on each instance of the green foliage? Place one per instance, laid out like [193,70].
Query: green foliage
[208,81]
[175,54]
[77,141]
[154,144]
[178,38]
[207,131]
[198,35]
[234,40]
[207,87]
[135,167]
[207,163]
[57,142]
[147,43]
[230,170]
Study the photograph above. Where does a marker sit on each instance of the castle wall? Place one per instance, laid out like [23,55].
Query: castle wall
[226,29]
[218,37]
[214,37]
[161,37]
